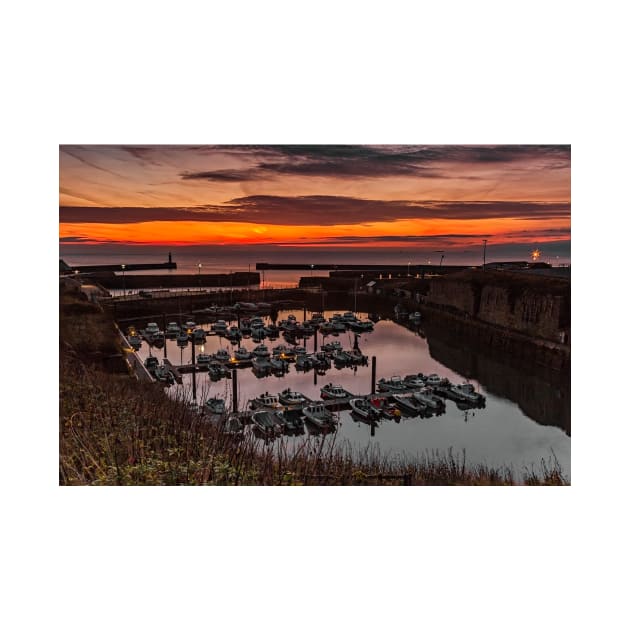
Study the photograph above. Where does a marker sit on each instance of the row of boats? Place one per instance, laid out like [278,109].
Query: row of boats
[286,412]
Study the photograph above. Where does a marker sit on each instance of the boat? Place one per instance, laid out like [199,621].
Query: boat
[348,317]
[261,364]
[245,326]
[220,327]
[217,370]
[233,334]
[242,354]
[408,404]
[293,422]
[199,335]
[318,415]
[321,361]
[221,355]
[384,407]
[331,347]
[303,362]
[434,379]
[152,328]
[340,357]
[190,324]
[427,397]
[134,341]
[261,351]
[363,408]
[268,421]
[232,425]
[215,406]
[362,326]
[182,338]
[172,329]
[415,318]
[414,380]
[265,400]
[394,384]
[257,323]
[258,334]
[203,358]
[289,397]
[151,363]
[467,393]
[334,392]
[278,364]
[283,352]
[271,331]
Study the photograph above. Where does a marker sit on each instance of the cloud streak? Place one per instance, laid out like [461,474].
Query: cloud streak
[318,210]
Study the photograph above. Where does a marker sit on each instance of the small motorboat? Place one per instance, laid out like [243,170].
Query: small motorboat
[182,338]
[265,401]
[218,370]
[283,352]
[268,421]
[318,415]
[363,409]
[289,397]
[134,341]
[220,327]
[151,363]
[258,334]
[199,335]
[215,406]
[434,379]
[428,398]
[414,380]
[394,384]
[384,407]
[163,374]
[242,354]
[222,355]
[172,330]
[278,364]
[203,358]
[232,425]
[233,334]
[303,362]
[261,351]
[467,393]
[408,405]
[334,392]
[331,347]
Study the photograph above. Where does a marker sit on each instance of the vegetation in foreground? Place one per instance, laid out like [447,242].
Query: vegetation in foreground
[116,431]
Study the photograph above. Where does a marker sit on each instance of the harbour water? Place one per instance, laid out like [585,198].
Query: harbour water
[526,419]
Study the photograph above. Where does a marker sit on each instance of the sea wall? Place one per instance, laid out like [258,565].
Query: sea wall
[535,306]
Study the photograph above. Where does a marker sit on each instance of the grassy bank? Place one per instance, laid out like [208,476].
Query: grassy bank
[114,430]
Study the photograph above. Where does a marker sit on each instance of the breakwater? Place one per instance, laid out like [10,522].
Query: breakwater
[223,280]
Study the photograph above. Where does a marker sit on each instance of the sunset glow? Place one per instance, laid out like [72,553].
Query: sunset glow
[445,197]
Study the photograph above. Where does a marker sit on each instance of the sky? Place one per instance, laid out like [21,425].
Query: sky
[340,198]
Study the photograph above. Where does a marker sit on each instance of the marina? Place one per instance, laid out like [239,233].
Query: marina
[397,397]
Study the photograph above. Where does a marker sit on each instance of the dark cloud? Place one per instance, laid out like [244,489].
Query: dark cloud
[356,161]
[318,210]
[74,239]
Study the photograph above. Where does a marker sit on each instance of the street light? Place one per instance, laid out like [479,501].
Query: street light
[312,270]
[408,265]
[199,276]
[123,271]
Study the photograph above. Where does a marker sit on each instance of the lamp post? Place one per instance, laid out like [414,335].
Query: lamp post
[199,276]
[123,272]
[312,270]
[485,240]
[408,266]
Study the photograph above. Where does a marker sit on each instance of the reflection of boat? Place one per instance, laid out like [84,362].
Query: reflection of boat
[217,371]
[283,352]
[289,397]
[319,416]
[278,364]
[258,334]
[182,338]
[303,362]
[334,392]
[220,327]
[233,334]
[152,329]
[331,347]
[363,408]
[408,404]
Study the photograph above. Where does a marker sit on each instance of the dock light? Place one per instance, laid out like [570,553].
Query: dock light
[199,275]
[123,272]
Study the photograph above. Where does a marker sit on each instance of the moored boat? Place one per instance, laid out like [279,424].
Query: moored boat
[334,392]
[393,384]
[265,400]
[289,397]
[363,409]
[408,404]
[427,397]
[318,415]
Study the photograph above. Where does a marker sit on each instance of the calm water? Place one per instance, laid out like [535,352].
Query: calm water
[526,418]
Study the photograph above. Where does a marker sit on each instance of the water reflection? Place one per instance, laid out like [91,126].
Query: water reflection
[503,433]
[543,395]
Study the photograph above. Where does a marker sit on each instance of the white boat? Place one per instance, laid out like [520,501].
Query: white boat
[467,392]
[363,408]
[318,415]
[427,397]
[203,358]
[265,400]
[394,384]
[334,392]
[268,421]
[289,397]
[190,325]
[152,328]
[433,380]
[414,380]
[408,404]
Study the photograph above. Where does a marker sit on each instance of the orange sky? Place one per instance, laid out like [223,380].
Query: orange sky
[293,194]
